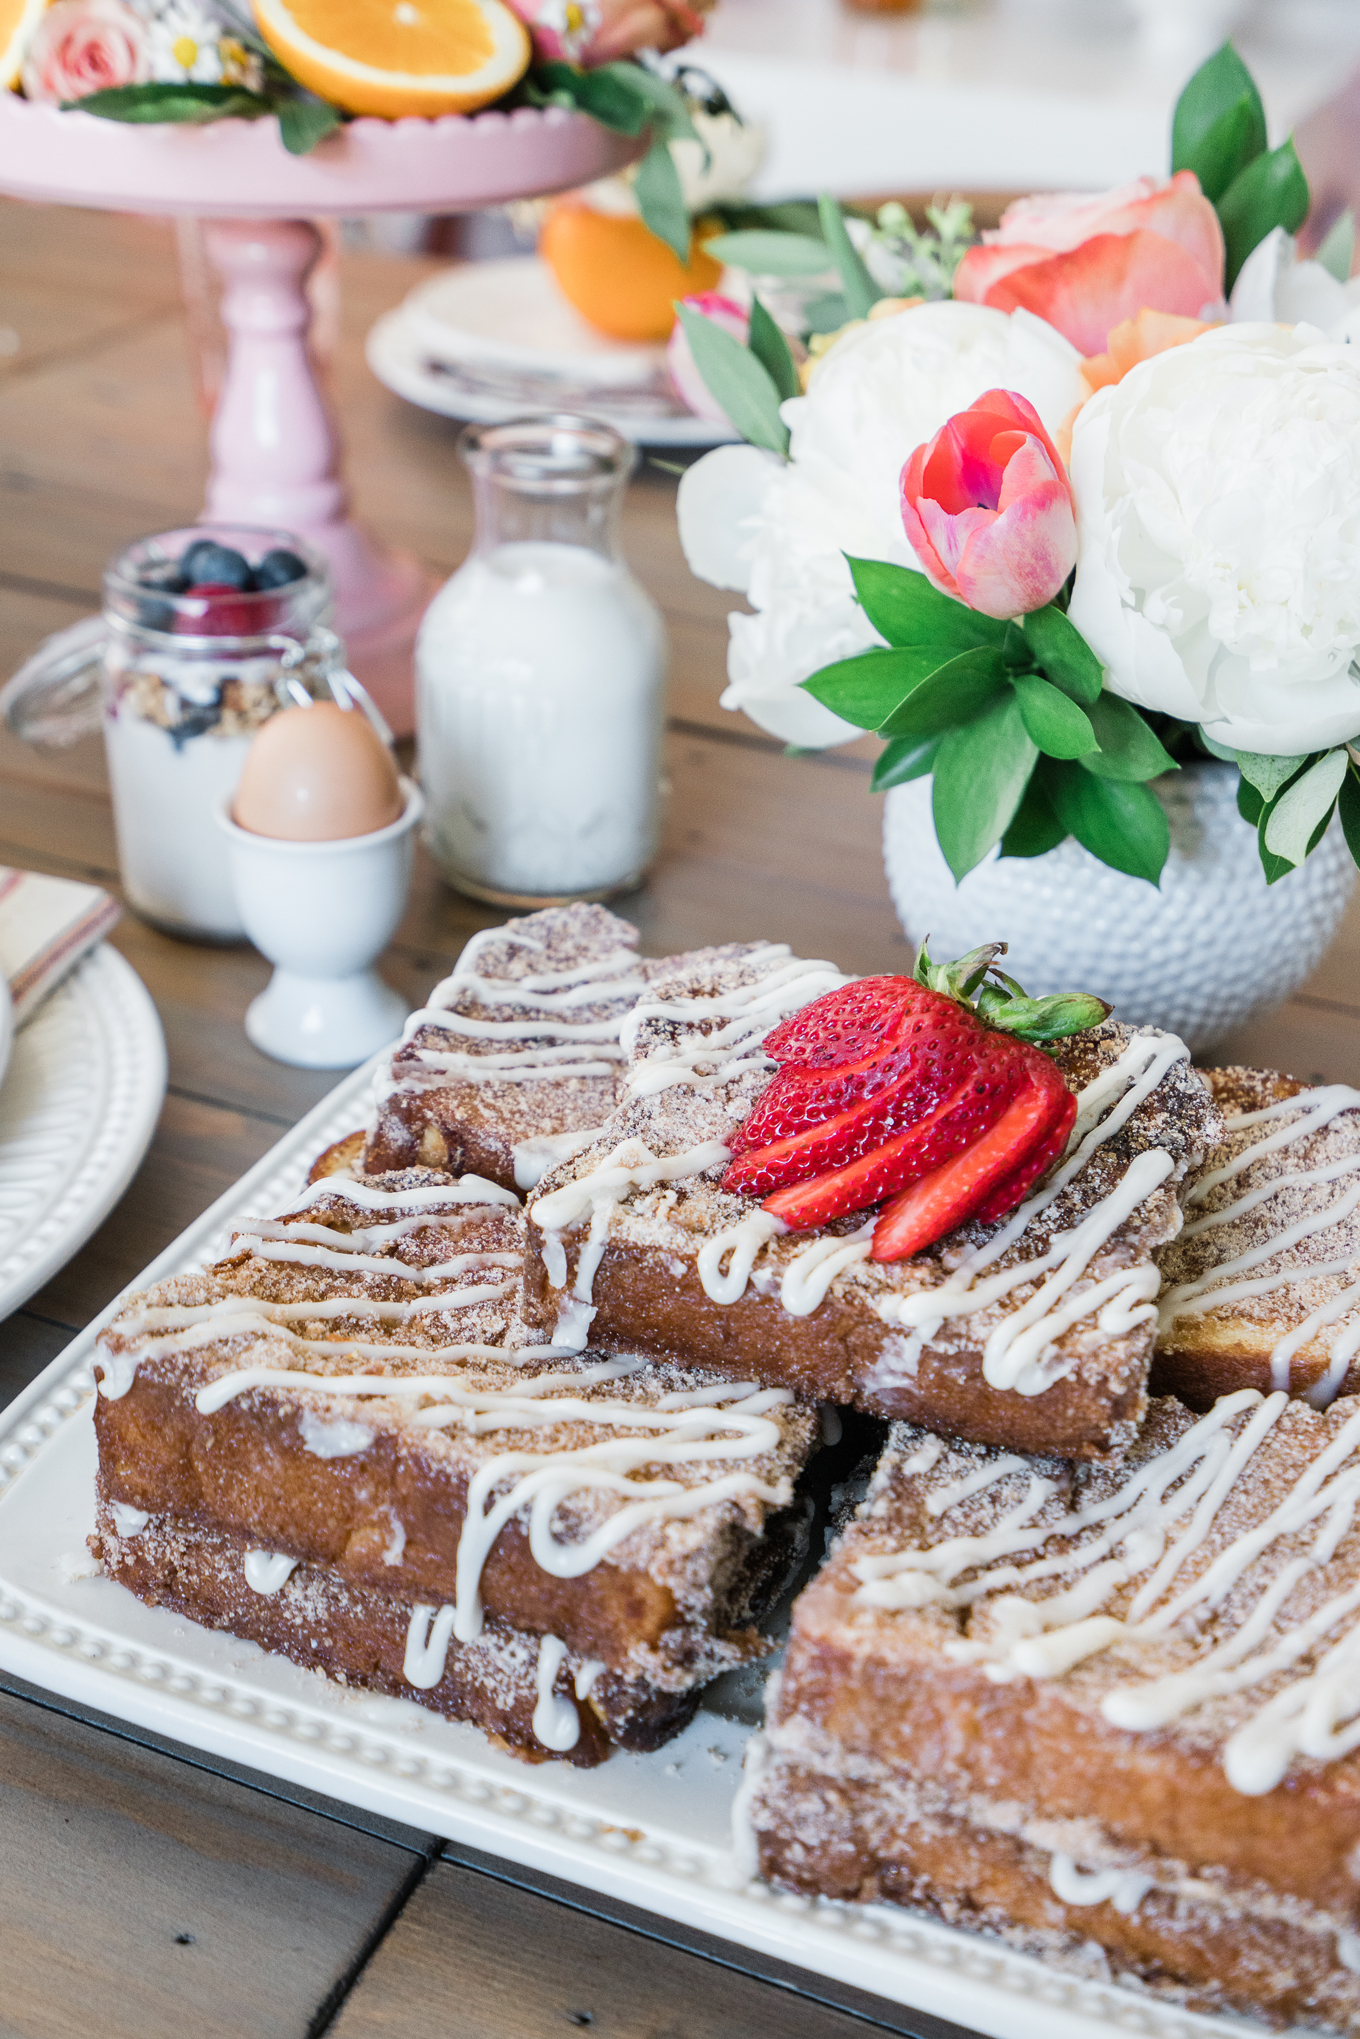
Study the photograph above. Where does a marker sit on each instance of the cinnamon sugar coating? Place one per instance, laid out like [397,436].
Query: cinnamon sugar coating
[1206,1352]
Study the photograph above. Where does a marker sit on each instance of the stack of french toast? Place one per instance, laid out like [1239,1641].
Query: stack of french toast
[521,1410]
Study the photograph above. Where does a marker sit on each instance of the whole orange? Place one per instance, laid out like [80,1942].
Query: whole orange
[617,273]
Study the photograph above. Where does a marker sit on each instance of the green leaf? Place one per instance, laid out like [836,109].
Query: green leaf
[1274,867]
[661,200]
[1056,724]
[980,778]
[1128,749]
[173,103]
[1036,828]
[622,96]
[1249,803]
[1303,807]
[861,292]
[771,254]
[907,757]
[904,607]
[1123,824]
[1043,1019]
[1064,654]
[1266,774]
[1348,803]
[1336,252]
[305,121]
[866,689]
[955,692]
[1271,192]
[737,381]
[1219,124]
[771,350]
[826,314]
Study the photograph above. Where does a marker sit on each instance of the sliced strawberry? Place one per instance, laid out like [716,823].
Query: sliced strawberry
[1009,1192]
[942,1200]
[941,1126]
[845,1024]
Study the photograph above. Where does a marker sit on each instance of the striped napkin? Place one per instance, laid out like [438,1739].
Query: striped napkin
[46,926]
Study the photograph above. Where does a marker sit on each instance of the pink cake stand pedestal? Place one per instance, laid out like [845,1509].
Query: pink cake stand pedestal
[275,449]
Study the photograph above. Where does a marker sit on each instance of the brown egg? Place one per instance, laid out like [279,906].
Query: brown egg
[316,775]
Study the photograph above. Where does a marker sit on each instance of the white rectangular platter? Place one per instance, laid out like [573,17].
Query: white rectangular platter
[651,1830]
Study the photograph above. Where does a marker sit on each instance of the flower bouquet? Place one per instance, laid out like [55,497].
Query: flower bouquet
[314,65]
[1058,511]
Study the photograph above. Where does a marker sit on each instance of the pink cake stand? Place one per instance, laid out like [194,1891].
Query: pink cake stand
[275,450]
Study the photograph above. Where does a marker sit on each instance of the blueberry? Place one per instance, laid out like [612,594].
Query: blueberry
[277,568]
[162,580]
[206,560]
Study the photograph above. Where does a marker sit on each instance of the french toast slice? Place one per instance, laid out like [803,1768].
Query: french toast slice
[1261,1288]
[345,1419]
[1109,1713]
[1036,1333]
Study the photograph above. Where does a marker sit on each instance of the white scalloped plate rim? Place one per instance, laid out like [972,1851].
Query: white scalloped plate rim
[74,1126]
[600,1829]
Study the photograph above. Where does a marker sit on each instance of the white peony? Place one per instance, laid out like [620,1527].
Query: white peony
[1275,287]
[1218,517]
[777,532]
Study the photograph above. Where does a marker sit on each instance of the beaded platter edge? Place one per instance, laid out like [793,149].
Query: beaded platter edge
[902,1956]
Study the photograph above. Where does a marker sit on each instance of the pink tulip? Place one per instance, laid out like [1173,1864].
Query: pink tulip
[594,32]
[988,508]
[686,380]
[1087,264]
[84,46]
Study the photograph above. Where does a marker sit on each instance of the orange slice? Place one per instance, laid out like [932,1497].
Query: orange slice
[18,19]
[617,273]
[397,57]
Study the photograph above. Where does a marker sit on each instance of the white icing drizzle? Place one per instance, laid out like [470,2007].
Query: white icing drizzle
[128,1521]
[1131,1535]
[1125,1889]
[584,1683]
[118,1371]
[1230,1280]
[1019,1353]
[266,1571]
[336,1439]
[469,1189]
[631,1166]
[533,1158]
[810,1274]
[743,1241]
[427,1645]
[304,1255]
[557,1724]
[751,1011]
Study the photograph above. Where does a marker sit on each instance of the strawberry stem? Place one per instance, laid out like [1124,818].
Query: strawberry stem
[975,982]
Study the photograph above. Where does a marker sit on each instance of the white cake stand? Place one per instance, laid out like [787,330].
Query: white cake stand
[275,451]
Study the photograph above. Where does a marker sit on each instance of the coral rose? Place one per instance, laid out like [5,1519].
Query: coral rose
[1087,264]
[84,46]
[988,508]
[598,31]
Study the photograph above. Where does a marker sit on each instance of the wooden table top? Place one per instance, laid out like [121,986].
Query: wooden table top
[151,1891]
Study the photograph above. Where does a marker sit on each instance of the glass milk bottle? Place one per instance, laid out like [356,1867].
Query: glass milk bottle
[541,667]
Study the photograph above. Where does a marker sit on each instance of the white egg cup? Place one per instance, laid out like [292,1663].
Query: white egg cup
[323,912]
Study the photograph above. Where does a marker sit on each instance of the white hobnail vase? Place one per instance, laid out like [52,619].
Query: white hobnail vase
[1209,949]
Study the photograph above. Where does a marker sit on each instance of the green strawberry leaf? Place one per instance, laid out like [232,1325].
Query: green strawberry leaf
[1271,192]
[1128,748]
[772,254]
[1348,803]
[861,292]
[1042,1019]
[740,383]
[1304,808]
[1064,654]
[1036,827]
[771,350]
[1124,824]
[661,200]
[954,693]
[1219,124]
[906,758]
[1056,724]
[980,778]
[304,121]
[866,689]
[905,609]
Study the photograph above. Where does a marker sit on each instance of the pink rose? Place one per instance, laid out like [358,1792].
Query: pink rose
[686,380]
[594,32]
[84,46]
[1088,263]
[988,508]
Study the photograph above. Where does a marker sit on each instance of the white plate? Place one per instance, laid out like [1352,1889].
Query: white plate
[651,1830]
[81,1097]
[464,345]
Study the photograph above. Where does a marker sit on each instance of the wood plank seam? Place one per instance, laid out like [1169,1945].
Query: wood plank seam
[331,2005]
